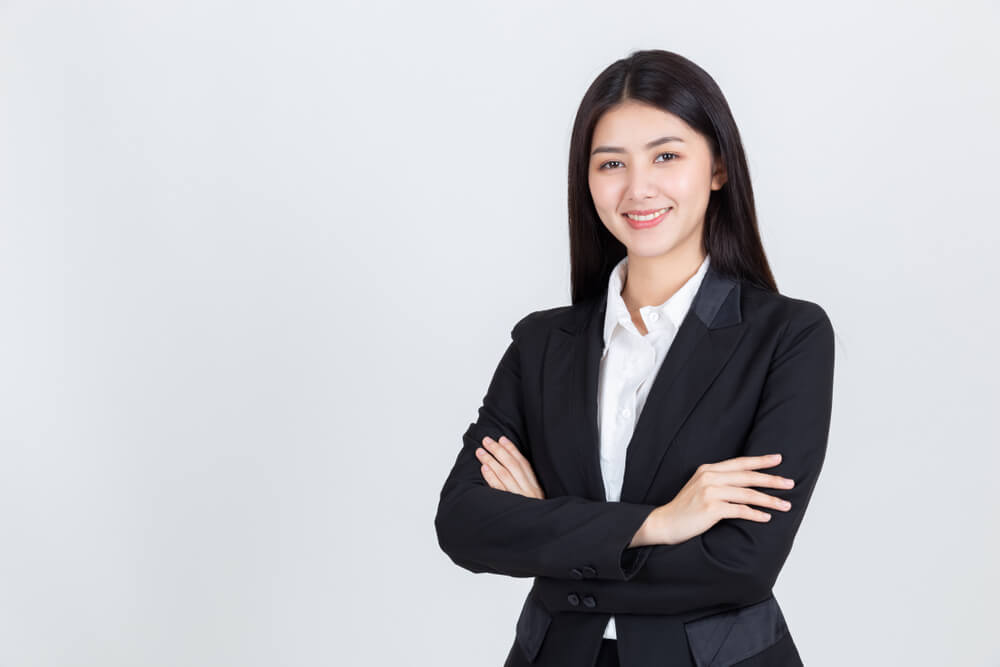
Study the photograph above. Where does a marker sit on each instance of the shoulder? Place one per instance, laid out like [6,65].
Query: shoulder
[537,324]
[792,318]
[761,303]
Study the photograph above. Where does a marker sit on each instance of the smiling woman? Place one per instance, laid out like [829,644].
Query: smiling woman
[653,201]
[618,453]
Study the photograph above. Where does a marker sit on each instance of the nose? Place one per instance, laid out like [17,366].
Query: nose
[640,184]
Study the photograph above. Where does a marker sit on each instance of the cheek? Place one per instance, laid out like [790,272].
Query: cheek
[677,185]
[605,197]
[689,186]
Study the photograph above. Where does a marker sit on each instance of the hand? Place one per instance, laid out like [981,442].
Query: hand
[504,468]
[716,491]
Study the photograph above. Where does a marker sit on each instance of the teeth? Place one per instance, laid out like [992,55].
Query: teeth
[641,218]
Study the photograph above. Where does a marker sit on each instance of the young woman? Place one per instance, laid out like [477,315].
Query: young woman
[647,453]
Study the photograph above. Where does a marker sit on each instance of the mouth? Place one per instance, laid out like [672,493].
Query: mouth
[644,219]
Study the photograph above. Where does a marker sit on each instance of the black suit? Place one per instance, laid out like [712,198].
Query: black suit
[750,372]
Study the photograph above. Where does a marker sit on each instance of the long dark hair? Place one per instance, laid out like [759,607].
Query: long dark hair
[676,85]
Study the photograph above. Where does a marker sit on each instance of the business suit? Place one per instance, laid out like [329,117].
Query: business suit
[750,372]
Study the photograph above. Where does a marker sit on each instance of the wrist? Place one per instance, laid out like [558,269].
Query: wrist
[650,532]
[659,525]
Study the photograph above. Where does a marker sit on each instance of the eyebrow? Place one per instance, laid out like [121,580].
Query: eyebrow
[618,149]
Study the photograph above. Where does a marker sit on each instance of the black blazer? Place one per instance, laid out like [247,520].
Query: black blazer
[750,372]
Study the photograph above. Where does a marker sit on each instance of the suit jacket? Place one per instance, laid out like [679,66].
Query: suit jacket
[750,372]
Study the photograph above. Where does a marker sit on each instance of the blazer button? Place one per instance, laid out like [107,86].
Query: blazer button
[589,601]
[589,571]
[577,573]
[574,599]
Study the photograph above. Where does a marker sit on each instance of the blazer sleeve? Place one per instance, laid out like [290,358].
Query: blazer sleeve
[483,529]
[737,561]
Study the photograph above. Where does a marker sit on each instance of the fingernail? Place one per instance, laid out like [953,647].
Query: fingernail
[775,457]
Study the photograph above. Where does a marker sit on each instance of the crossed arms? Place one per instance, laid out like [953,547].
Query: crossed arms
[563,539]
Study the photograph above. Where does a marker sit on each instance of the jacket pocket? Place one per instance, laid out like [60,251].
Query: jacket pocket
[723,639]
[532,625]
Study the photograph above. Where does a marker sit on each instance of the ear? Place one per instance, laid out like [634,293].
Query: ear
[719,176]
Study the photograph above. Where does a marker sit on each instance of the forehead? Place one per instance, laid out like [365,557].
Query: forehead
[632,124]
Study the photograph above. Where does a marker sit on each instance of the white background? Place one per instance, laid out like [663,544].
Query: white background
[258,262]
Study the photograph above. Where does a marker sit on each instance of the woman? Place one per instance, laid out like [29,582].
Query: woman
[619,453]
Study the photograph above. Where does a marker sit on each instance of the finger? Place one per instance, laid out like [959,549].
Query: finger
[738,494]
[746,463]
[529,473]
[492,479]
[737,511]
[489,474]
[750,478]
[492,456]
[510,472]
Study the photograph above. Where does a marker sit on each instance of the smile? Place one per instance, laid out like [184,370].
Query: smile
[648,220]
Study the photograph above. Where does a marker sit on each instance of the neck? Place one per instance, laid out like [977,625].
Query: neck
[649,281]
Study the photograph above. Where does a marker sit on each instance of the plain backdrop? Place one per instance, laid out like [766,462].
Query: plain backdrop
[258,262]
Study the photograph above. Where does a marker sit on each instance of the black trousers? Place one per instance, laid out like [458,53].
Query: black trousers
[608,656]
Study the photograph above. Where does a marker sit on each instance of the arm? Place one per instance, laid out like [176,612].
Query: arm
[737,561]
[489,530]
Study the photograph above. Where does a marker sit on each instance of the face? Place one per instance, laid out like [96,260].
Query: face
[647,160]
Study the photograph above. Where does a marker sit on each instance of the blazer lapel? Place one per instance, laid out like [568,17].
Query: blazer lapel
[704,342]
[570,384]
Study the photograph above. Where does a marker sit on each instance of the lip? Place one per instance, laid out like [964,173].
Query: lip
[645,224]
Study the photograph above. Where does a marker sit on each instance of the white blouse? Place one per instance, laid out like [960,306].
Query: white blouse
[628,366]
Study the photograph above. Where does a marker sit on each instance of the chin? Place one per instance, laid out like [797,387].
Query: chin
[651,247]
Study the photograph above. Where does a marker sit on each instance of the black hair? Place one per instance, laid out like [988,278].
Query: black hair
[678,86]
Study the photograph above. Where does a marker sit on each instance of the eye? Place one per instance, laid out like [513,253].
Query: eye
[673,156]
